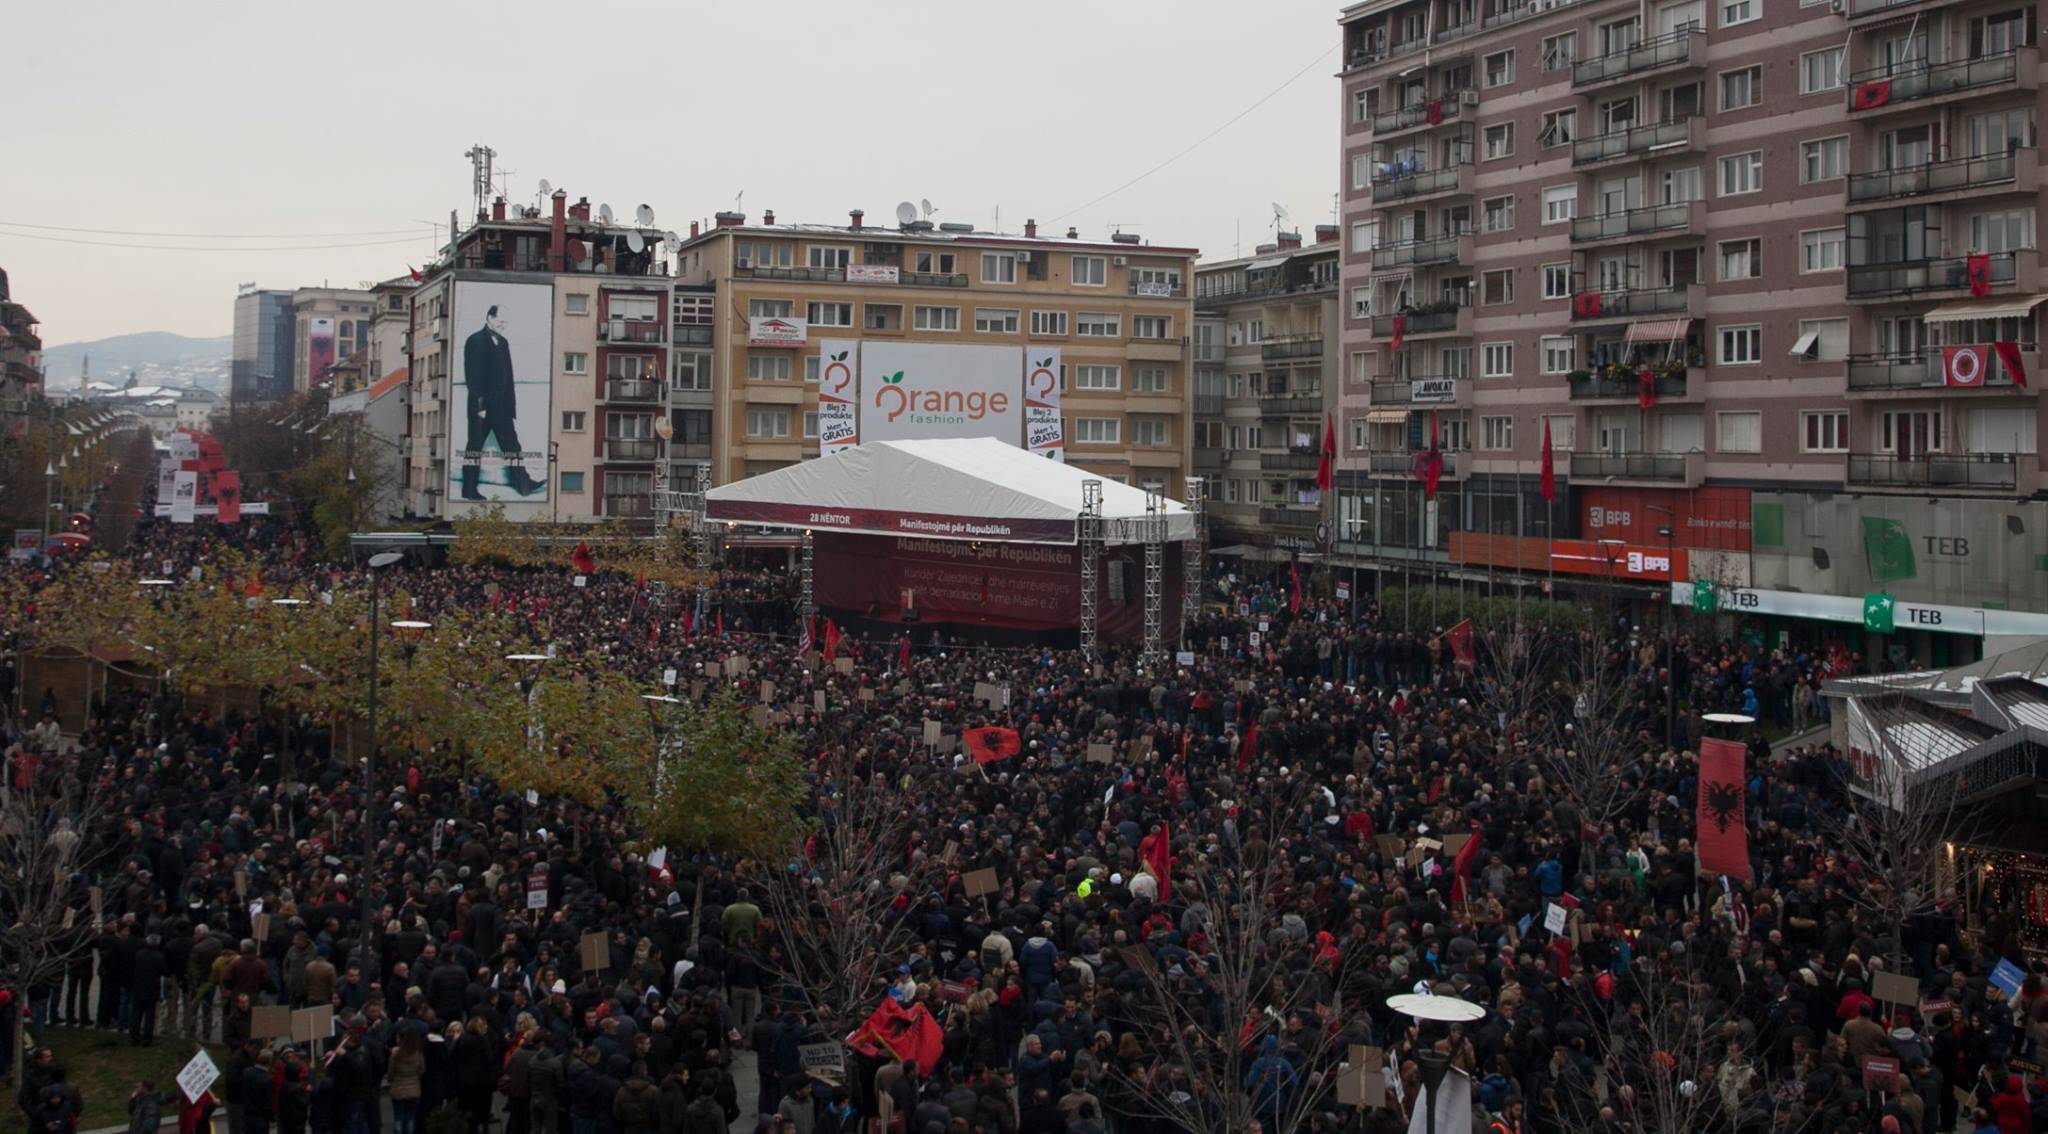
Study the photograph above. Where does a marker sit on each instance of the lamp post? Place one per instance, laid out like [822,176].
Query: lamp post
[377,563]
[1670,534]
[1433,1016]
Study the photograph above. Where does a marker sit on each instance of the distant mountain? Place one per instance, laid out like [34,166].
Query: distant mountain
[155,357]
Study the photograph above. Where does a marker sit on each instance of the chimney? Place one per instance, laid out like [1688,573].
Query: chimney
[1030,226]
[498,208]
[855,217]
[558,233]
[581,209]
[1326,233]
[729,220]
[1264,249]
[1073,233]
[1290,241]
[693,230]
[767,216]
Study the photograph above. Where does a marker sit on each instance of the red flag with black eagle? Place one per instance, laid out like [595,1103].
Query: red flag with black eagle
[1294,597]
[1462,865]
[988,745]
[1248,745]
[909,1034]
[581,560]
[1157,853]
[1721,815]
[831,640]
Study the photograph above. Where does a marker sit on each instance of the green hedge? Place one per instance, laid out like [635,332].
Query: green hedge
[1423,609]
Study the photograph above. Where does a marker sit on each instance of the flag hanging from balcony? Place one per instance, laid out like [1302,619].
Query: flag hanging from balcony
[1433,114]
[1428,466]
[1400,328]
[1546,484]
[1646,388]
[1586,305]
[1978,270]
[1870,95]
[2009,357]
[1326,467]
[1963,366]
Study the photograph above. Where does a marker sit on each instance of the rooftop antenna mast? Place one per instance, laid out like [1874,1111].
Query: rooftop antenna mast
[480,156]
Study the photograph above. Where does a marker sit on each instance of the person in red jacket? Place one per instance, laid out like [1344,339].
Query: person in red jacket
[2009,1108]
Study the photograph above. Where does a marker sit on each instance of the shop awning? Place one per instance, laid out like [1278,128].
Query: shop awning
[1984,309]
[1804,344]
[1658,330]
[1385,417]
[1268,262]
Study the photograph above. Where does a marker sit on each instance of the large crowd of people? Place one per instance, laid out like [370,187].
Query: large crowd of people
[1208,880]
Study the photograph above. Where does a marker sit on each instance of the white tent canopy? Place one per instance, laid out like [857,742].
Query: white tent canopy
[958,488]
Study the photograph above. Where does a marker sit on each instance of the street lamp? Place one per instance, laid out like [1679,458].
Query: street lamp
[1433,1016]
[377,564]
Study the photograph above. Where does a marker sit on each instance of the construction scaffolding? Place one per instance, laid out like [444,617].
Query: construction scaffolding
[1155,570]
[1090,540]
[1191,558]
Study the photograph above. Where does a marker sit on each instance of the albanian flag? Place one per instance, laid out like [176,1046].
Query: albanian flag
[1157,853]
[1723,830]
[909,1034]
[581,560]
[1461,867]
[987,745]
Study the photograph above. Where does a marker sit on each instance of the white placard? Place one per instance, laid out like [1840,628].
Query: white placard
[197,1076]
[1554,917]
[184,495]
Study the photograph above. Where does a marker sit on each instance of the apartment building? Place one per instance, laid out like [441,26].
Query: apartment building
[21,348]
[535,355]
[1268,337]
[767,300]
[329,325]
[260,365]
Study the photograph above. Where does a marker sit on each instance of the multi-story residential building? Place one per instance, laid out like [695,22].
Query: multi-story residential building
[1716,245]
[21,348]
[329,325]
[1267,342]
[260,365]
[1118,311]
[541,341]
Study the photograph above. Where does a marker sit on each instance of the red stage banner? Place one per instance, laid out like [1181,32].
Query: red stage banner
[1723,807]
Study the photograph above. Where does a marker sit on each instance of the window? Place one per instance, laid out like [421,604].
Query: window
[576,303]
[829,314]
[1564,431]
[770,309]
[1456,434]
[572,482]
[1560,203]
[1098,430]
[1741,87]
[937,263]
[1741,259]
[1823,159]
[1822,340]
[1681,185]
[1254,330]
[1364,104]
[1365,235]
[1560,51]
[1496,432]
[764,253]
[1149,431]
[811,367]
[936,318]
[1361,303]
[1820,250]
[1557,281]
[572,421]
[1095,325]
[767,423]
[1742,173]
[1560,354]
[1497,287]
[768,366]
[996,320]
[1151,326]
[1820,71]
[1742,346]
[830,258]
[1739,432]
[1497,360]
[1500,140]
[1093,376]
[882,316]
[1740,12]
[575,362]
[1500,69]
[1497,214]
[811,425]
[1091,271]
[1559,127]
[998,267]
[1361,170]
[1148,380]
[692,370]
[1049,323]
[2006,230]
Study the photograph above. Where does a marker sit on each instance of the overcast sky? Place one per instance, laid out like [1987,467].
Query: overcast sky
[303,123]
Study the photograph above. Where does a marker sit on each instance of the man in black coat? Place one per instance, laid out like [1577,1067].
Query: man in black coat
[492,408]
[146,971]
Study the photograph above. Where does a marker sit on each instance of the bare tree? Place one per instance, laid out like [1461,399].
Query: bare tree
[49,818]
[1663,1050]
[1518,663]
[1593,749]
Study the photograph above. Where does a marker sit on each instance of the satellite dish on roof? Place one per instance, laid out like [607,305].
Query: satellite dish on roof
[604,214]
[926,204]
[545,188]
[906,213]
[644,214]
[577,252]
[664,428]
[635,241]
[672,238]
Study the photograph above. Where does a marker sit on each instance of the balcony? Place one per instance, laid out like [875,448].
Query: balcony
[1590,386]
[1155,290]
[1514,13]
[1290,460]
[1628,304]
[1882,90]
[1280,348]
[637,507]
[1679,135]
[1303,519]
[1209,460]
[629,331]
[1436,389]
[1427,114]
[687,451]
[1861,12]
[1455,248]
[1422,185]
[1654,56]
[1208,405]
[1433,320]
[1687,218]
[1946,274]
[1403,464]
[1935,470]
[934,279]
[1660,468]
[631,448]
[693,334]
[1920,374]
[632,390]
[1299,403]
[2012,171]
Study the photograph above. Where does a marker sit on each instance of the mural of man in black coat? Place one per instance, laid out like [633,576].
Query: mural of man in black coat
[492,408]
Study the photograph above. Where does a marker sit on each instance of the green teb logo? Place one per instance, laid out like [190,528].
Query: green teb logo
[1877,612]
[1706,597]
[1887,550]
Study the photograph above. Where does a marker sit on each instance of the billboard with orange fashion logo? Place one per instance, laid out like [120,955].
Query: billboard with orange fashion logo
[937,390]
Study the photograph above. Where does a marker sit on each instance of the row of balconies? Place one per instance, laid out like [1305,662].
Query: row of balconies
[1952,471]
